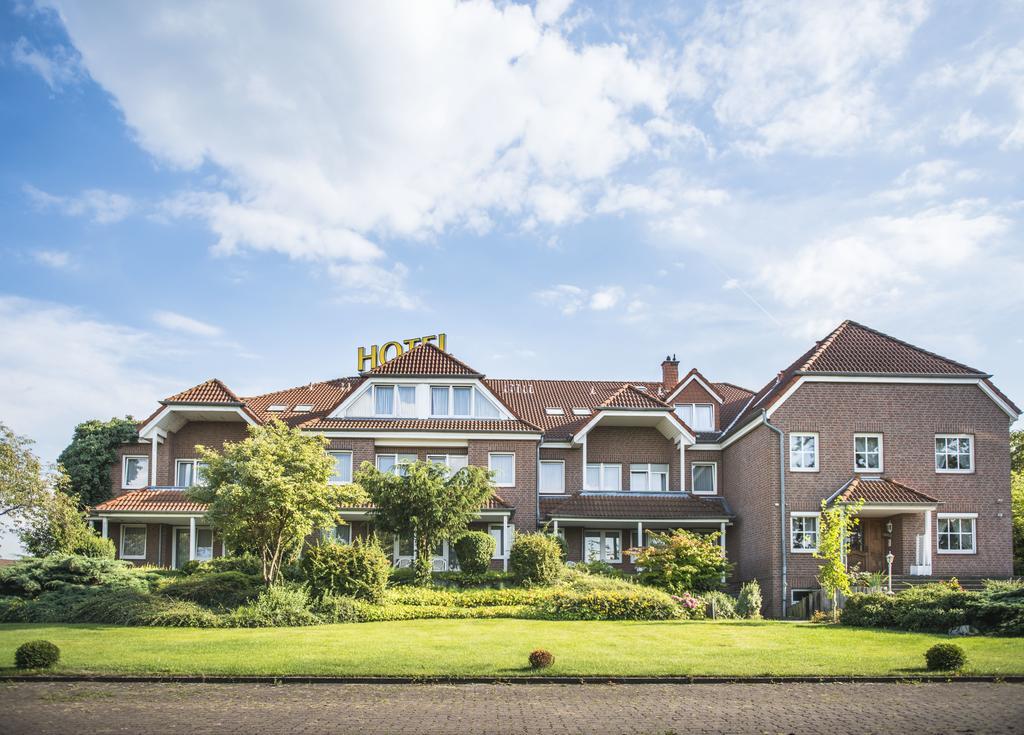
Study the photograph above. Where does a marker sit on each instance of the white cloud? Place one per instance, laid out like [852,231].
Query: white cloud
[606,298]
[799,75]
[927,180]
[365,283]
[59,69]
[57,259]
[567,298]
[103,207]
[549,11]
[968,127]
[181,323]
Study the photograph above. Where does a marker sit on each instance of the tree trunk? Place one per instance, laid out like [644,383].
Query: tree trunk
[424,563]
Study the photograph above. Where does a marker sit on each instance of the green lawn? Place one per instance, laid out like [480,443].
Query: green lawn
[500,647]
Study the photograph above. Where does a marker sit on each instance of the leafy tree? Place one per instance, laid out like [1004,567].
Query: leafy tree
[835,525]
[269,492]
[682,561]
[1017,451]
[535,559]
[427,504]
[93,449]
[54,524]
[1017,509]
[21,478]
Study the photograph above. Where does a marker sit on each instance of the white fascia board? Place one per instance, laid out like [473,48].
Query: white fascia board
[753,424]
[705,447]
[602,413]
[184,409]
[701,382]
[556,445]
[634,521]
[897,380]
[392,437]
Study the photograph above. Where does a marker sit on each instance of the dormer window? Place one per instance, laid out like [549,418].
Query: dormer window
[698,416]
[303,407]
[581,412]
[277,407]
[407,400]
[394,400]
[451,400]
[554,411]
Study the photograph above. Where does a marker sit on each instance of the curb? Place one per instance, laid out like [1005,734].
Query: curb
[198,679]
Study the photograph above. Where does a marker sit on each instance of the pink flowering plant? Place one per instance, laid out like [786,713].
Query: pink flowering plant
[690,607]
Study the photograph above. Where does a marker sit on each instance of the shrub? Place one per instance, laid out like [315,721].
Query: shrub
[36,655]
[31,577]
[490,579]
[945,657]
[748,604]
[682,561]
[427,596]
[115,607]
[12,610]
[474,550]
[331,608]
[94,546]
[581,580]
[360,569]
[276,607]
[720,605]
[180,614]
[821,616]
[600,568]
[690,607]
[541,659]
[245,563]
[535,559]
[221,590]
[636,604]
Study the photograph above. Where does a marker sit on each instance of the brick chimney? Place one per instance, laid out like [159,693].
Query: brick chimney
[669,372]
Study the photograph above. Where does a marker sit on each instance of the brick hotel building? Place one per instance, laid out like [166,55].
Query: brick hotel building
[922,439]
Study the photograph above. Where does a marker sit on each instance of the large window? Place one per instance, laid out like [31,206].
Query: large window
[803,532]
[452,400]
[648,478]
[603,477]
[954,453]
[956,533]
[189,472]
[497,532]
[867,452]
[396,463]
[133,542]
[704,477]
[342,472]
[135,472]
[204,544]
[394,400]
[503,465]
[552,476]
[603,546]
[698,416]
[454,462]
[803,452]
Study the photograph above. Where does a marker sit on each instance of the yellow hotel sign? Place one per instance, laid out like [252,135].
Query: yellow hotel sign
[378,355]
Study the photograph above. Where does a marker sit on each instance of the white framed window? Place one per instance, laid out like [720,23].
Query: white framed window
[454,462]
[451,400]
[497,532]
[581,412]
[554,411]
[704,478]
[552,476]
[277,407]
[648,478]
[342,472]
[803,532]
[303,407]
[133,542]
[394,400]
[803,452]
[603,546]
[954,453]
[698,416]
[867,452]
[189,472]
[396,463]
[603,477]
[343,534]
[204,544]
[503,465]
[134,472]
[798,596]
[956,533]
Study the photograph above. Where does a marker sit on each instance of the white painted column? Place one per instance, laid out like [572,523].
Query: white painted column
[721,543]
[192,538]
[554,526]
[505,543]
[155,442]
[584,454]
[639,534]
[682,466]
[106,528]
[928,541]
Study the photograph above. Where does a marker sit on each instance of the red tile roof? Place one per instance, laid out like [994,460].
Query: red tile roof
[631,397]
[630,508]
[426,360]
[212,391]
[879,490]
[152,501]
[323,397]
[490,425]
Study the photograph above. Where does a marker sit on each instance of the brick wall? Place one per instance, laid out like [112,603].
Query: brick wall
[523,497]
[695,393]
[573,459]
[116,469]
[182,443]
[703,455]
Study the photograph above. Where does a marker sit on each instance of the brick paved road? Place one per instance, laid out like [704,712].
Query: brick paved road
[548,709]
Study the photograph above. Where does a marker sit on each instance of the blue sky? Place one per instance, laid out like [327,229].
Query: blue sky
[252,191]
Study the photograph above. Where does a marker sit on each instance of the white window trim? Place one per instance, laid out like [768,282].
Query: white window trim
[540,475]
[817,451]
[145,540]
[714,478]
[693,414]
[650,475]
[600,475]
[351,468]
[881,453]
[974,532]
[396,455]
[143,475]
[503,454]
[602,533]
[957,471]
[793,593]
[792,533]
[195,470]
[503,548]
[451,402]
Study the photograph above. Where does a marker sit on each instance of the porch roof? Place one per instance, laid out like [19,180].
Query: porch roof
[880,490]
[633,507]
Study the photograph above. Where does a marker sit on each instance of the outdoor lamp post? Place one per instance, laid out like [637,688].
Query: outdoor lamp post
[889,558]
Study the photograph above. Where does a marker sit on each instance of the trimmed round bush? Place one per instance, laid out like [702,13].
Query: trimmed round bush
[36,655]
[541,659]
[535,558]
[945,657]
[475,549]
[359,569]
[748,604]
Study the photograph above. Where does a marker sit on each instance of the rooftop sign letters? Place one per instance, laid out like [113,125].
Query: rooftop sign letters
[377,355]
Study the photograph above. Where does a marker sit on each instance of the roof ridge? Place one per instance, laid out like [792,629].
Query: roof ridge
[423,347]
[823,344]
[916,348]
[732,385]
[346,379]
[216,381]
[631,387]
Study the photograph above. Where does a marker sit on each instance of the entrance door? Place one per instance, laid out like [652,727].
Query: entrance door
[867,546]
[180,547]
